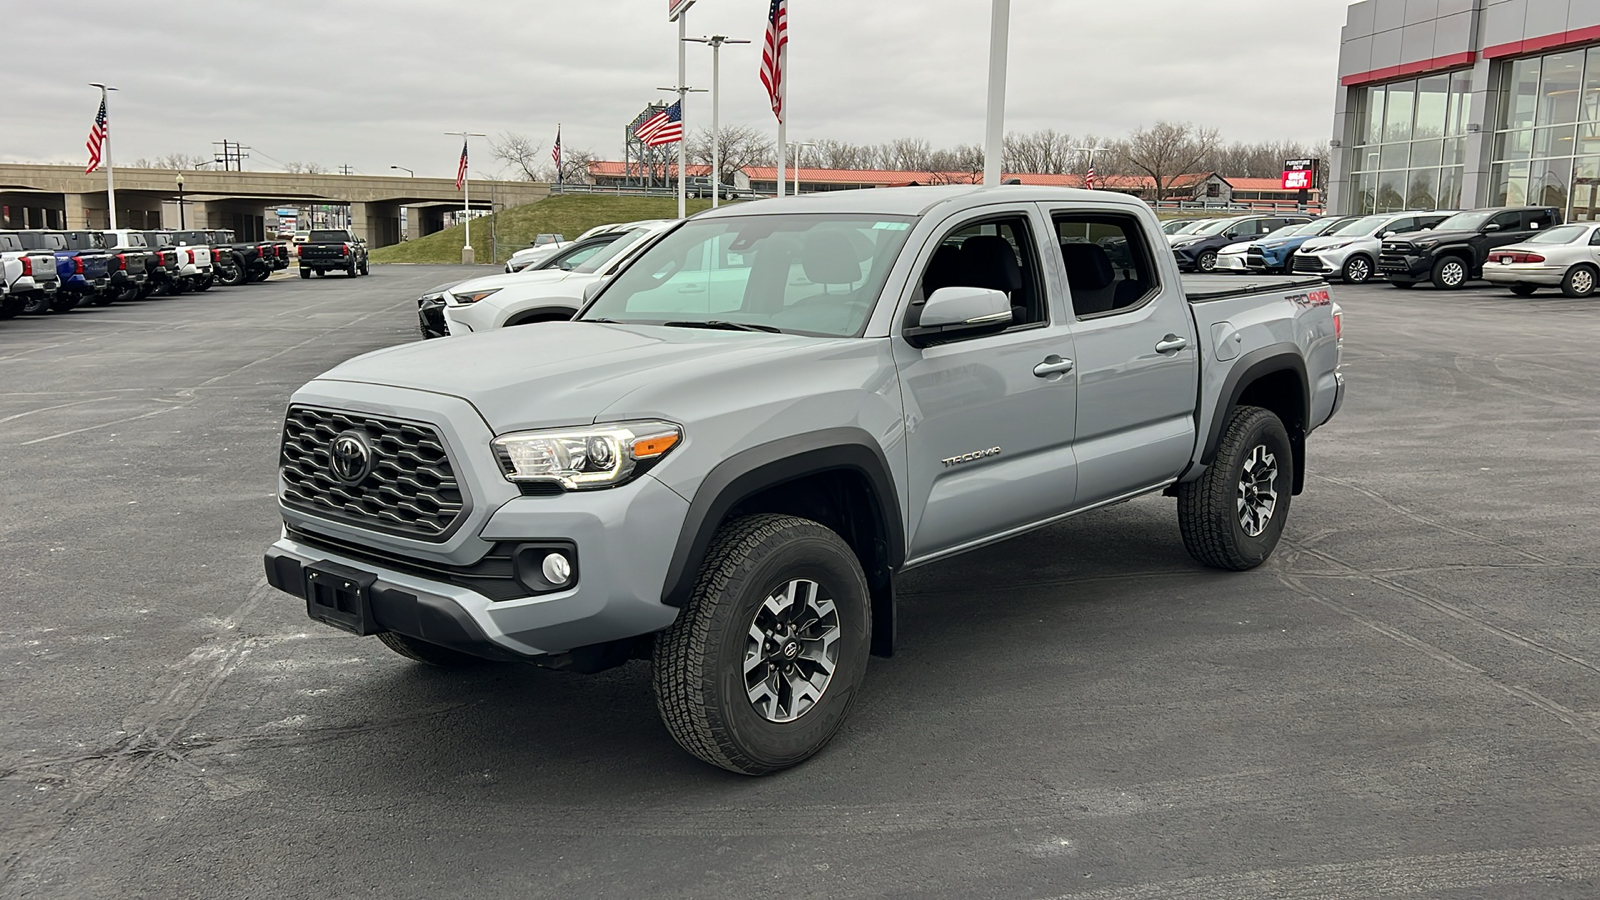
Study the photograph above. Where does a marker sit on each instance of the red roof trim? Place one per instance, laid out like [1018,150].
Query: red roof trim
[1420,67]
[1546,42]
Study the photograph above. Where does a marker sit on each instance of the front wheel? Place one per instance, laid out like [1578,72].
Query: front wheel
[1232,516]
[761,666]
[1357,270]
[1206,261]
[366,268]
[1449,273]
[1579,282]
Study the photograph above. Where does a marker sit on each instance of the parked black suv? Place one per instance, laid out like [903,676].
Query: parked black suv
[1455,250]
[1196,251]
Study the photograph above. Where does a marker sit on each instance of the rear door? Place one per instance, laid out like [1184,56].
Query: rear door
[1137,356]
[989,419]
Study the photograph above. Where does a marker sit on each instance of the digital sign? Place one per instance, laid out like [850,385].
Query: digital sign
[1299,174]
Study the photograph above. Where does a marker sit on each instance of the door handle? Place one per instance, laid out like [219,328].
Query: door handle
[1171,343]
[1052,365]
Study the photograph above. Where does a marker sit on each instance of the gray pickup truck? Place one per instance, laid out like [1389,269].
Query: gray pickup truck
[722,464]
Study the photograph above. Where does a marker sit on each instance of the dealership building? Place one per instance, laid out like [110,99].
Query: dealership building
[1454,104]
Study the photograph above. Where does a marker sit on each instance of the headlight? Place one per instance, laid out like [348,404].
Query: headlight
[436,295]
[475,296]
[1325,247]
[1425,245]
[584,458]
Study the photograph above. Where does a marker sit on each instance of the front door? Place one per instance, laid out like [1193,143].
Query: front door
[1137,356]
[989,419]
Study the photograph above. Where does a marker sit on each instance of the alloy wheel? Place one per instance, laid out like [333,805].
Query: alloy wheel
[791,651]
[1258,492]
[1453,274]
[1360,271]
[1582,281]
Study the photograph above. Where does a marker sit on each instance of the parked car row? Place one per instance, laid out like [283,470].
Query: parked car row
[1523,248]
[55,271]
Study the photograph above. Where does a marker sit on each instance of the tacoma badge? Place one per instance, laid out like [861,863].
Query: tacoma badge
[969,457]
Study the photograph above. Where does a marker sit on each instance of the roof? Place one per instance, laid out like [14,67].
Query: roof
[908,201]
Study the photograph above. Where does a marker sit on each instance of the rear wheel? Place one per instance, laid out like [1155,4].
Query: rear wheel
[1580,281]
[35,302]
[1450,273]
[764,661]
[205,283]
[366,267]
[432,654]
[1524,290]
[64,302]
[105,298]
[1357,269]
[235,276]
[1232,516]
[305,272]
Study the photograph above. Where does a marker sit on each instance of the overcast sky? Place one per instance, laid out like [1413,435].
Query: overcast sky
[374,84]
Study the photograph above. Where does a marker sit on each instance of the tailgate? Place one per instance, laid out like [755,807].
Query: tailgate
[44,267]
[322,251]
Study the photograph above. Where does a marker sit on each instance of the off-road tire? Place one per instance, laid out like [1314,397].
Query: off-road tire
[1206,262]
[699,660]
[432,654]
[205,284]
[305,273]
[64,302]
[1357,269]
[1524,290]
[36,303]
[1208,507]
[239,276]
[1450,273]
[366,268]
[1575,285]
[352,270]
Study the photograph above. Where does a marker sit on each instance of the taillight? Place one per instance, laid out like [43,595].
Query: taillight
[121,263]
[344,250]
[300,250]
[27,266]
[77,265]
[1526,258]
[1338,322]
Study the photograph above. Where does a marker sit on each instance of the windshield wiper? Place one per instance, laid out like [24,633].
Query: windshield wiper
[718,325]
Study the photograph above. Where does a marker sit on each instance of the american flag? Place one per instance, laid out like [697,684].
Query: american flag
[97,137]
[772,54]
[664,127]
[555,153]
[1088,180]
[461,169]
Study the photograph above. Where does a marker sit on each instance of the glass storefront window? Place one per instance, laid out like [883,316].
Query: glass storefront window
[1455,151]
[1391,191]
[1403,133]
[1449,195]
[1551,163]
[1460,102]
[1548,180]
[1393,156]
[1520,95]
[1400,112]
[1420,192]
[1559,83]
[1555,141]
[1372,125]
[1585,189]
[1433,101]
[1513,144]
[1511,184]
[1426,153]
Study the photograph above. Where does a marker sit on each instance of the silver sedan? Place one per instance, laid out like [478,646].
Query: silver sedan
[1567,256]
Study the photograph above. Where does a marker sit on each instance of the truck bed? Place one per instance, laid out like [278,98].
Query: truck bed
[1202,288]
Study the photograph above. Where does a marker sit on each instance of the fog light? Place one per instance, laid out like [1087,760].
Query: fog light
[556,569]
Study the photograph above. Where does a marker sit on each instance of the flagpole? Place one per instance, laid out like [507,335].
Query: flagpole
[467,256]
[783,103]
[105,146]
[994,139]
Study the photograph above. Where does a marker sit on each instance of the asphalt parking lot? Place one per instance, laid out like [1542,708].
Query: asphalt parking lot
[1405,701]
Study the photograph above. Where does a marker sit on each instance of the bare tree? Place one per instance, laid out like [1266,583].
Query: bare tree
[740,147]
[906,155]
[831,154]
[299,168]
[522,153]
[171,161]
[575,166]
[1043,152]
[1167,150]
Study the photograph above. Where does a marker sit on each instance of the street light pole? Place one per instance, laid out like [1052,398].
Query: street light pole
[105,154]
[1088,181]
[798,146]
[405,170]
[999,40]
[716,41]
[182,224]
[467,258]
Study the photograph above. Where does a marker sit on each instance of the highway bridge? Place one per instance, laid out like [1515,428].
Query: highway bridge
[39,196]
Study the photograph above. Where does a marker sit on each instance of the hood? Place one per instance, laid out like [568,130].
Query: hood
[1317,243]
[569,373]
[1240,247]
[506,280]
[1415,236]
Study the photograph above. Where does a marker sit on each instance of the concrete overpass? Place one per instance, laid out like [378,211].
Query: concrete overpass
[37,196]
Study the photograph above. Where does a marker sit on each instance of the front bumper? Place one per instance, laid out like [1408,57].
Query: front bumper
[458,320]
[1232,262]
[1524,273]
[624,539]
[1405,266]
[430,319]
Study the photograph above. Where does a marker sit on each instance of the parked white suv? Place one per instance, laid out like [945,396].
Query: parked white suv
[1350,253]
[543,295]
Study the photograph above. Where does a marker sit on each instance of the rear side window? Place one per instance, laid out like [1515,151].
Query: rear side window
[1541,218]
[9,242]
[1108,263]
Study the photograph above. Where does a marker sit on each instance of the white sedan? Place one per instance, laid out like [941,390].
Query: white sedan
[1567,256]
[1232,258]
[543,295]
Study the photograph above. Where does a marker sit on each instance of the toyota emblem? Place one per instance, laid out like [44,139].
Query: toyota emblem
[349,458]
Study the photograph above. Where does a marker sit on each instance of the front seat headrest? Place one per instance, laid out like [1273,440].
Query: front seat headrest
[991,263]
[944,269]
[829,258]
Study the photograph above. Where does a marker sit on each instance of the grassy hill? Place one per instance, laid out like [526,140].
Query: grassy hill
[570,214]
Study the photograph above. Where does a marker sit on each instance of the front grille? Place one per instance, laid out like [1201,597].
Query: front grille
[1255,259]
[410,489]
[1309,264]
[1389,263]
[494,576]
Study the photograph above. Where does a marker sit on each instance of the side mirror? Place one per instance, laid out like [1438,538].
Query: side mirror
[1388,234]
[957,311]
[1490,227]
[592,290]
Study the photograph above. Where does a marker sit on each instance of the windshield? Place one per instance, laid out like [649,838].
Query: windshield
[1193,227]
[610,251]
[1176,226]
[328,237]
[1467,221]
[808,274]
[1364,226]
[1327,226]
[574,256]
[1215,226]
[1564,234]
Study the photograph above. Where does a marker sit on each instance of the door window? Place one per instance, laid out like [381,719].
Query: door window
[1508,221]
[1540,218]
[1107,261]
[997,254]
